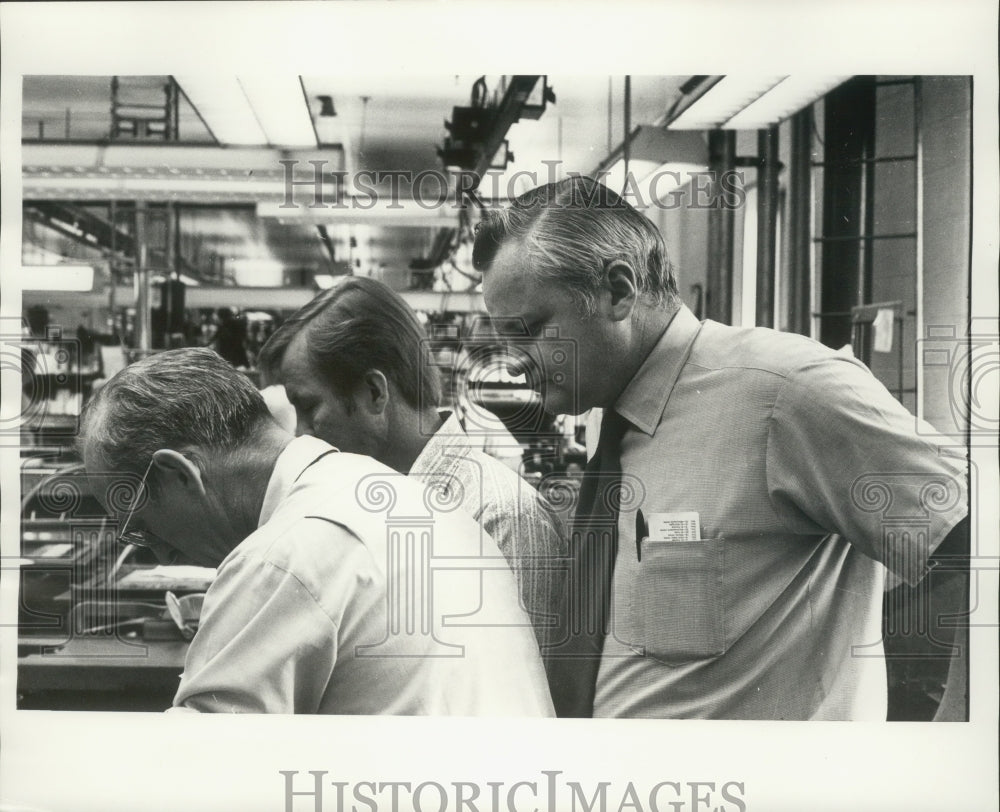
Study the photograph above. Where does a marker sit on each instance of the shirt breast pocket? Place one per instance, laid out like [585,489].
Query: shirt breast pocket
[679,600]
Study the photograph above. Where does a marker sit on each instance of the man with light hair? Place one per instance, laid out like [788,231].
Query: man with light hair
[740,573]
[355,365]
[337,588]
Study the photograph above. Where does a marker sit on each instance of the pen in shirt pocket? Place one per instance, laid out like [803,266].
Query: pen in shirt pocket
[641,531]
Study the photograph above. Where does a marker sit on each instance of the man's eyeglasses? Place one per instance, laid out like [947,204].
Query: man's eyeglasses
[137,538]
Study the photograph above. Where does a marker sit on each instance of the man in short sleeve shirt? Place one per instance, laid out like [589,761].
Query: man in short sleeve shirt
[782,462]
[356,368]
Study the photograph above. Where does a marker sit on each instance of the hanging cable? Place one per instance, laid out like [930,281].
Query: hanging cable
[626,147]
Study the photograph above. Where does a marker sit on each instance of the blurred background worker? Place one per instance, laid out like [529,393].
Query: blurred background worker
[231,337]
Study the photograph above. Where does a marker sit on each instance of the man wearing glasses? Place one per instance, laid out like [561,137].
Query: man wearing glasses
[330,595]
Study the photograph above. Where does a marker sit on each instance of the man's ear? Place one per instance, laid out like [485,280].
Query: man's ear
[621,284]
[374,392]
[173,468]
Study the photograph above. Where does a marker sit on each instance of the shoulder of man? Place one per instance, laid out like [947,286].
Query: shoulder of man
[721,346]
[513,506]
[325,560]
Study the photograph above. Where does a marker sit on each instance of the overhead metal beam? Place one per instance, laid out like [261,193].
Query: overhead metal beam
[81,225]
[399,213]
[512,108]
[177,155]
[203,296]
[174,173]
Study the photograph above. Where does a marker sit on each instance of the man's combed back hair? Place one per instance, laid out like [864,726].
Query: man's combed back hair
[358,325]
[571,231]
[175,399]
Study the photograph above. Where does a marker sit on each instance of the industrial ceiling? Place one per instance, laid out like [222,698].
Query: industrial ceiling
[360,123]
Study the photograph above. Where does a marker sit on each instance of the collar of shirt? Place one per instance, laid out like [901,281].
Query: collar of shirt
[646,395]
[444,448]
[298,455]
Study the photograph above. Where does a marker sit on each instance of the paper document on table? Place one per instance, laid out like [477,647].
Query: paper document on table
[882,327]
[684,526]
[168,577]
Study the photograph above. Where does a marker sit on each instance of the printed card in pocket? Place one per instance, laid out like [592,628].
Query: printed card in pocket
[681,526]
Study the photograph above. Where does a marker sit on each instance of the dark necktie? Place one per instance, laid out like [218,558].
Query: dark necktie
[573,661]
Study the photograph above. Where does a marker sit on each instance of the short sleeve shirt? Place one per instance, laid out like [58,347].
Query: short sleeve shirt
[358,595]
[808,479]
[512,512]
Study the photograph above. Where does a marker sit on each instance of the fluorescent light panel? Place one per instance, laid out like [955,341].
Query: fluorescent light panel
[223,105]
[723,100]
[280,105]
[653,181]
[57,277]
[252,110]
[781,101]
[640,169]
[115,187]
[659,162]
[361,211]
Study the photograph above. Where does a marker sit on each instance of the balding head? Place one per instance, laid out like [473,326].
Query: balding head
[187,398]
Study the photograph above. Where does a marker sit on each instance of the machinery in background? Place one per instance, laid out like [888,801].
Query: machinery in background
[100,627]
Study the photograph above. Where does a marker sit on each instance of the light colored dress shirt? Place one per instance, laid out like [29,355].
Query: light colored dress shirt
[512,512]
[361,594]
[805,474]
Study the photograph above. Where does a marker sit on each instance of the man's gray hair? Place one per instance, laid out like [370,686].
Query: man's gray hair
[571,231]
[175,399]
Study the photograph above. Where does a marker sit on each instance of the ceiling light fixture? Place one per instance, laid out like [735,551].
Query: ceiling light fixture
[326,109]
[658,158]
[77,278]
[223,106]
[282,109]
[363,211]
[739,102]
[725,97]
[783,100]
[252,110]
